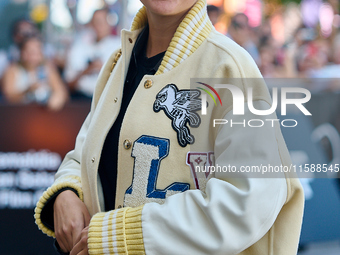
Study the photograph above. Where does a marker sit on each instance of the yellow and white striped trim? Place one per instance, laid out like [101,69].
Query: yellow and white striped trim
[120,231]
[70,181]
[190,34]
[117,232]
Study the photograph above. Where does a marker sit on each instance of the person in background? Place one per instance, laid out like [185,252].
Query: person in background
[213,13]
[310,59]
[336,50]
[328,69]
[87,56]
[267,64]
[33,79]
[21,29]
[240,32]
[271,53]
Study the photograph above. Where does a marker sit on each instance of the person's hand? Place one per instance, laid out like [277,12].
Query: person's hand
[56,102]
[93,67]
[81,247]
[33,87]
[70,218]
[96,65]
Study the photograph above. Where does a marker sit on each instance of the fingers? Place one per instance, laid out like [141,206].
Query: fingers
[81,246]
[62,247]
[61,239]
[80,227]
[76,233]
[87,218]
[70,218]
[83,252]
[64,237]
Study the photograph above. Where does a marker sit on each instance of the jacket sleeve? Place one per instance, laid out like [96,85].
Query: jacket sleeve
[231,215]
[69,173]
[67,177]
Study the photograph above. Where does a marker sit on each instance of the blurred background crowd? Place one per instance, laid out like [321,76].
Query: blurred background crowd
[51,51]
[287,39]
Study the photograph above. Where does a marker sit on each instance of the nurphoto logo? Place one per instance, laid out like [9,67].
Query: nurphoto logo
[239,104]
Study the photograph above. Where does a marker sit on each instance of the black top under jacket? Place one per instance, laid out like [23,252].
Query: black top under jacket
[139,66]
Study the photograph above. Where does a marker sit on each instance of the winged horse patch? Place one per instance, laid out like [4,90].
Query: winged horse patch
[180,106]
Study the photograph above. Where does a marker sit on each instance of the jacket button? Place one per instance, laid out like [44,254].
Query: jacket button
[130,40]
[127,144]
[148,84]
[93,159]
[115,100]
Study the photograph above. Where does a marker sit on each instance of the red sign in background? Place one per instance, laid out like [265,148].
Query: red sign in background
[33,141]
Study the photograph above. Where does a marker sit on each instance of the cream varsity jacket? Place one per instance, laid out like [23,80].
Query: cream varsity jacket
[162,205]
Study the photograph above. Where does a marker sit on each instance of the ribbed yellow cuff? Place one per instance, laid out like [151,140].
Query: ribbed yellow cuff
[117,232]
[71,181]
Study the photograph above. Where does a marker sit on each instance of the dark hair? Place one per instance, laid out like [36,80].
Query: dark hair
[212,8]
[235,23]
[16,24]
[27,39]
[240,14]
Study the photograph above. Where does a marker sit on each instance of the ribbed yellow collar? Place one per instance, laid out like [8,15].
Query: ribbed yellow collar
[190,34]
